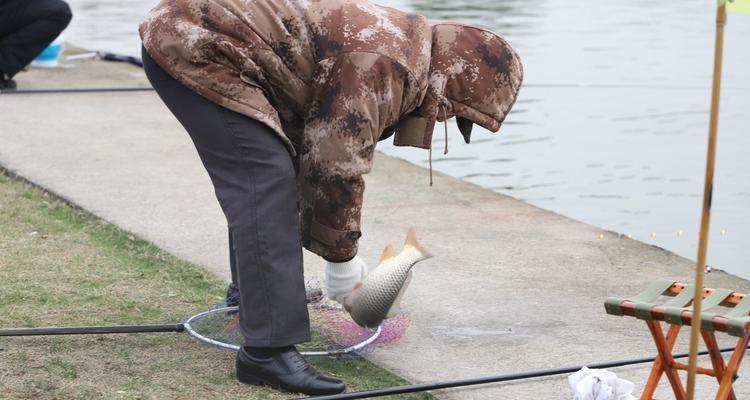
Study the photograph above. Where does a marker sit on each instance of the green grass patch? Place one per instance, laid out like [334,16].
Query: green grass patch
[63,266]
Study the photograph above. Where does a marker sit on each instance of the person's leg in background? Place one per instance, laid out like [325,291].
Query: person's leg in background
[255,184]
[26,28]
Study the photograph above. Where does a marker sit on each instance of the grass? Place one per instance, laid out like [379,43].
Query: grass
[63,266]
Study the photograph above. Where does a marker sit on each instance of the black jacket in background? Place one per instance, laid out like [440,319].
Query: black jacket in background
[26,28]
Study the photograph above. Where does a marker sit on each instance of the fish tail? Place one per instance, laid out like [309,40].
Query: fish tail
[411,241]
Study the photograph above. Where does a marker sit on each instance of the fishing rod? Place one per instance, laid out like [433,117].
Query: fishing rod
[708,187]
[528,85]
[78,90]
[607,86]
[615,86]
[422,387]
[105,56]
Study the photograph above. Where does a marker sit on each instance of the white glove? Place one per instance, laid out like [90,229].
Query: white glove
[341,278]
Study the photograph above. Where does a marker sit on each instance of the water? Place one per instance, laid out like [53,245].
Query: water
[109,25]
[611,125]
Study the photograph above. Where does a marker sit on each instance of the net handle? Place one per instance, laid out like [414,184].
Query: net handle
[90,330]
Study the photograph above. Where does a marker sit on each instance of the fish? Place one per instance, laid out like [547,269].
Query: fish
[378,295]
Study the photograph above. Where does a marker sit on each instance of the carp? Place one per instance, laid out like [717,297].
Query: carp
[379,294]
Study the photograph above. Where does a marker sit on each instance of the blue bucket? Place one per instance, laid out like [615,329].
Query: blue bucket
[49,56]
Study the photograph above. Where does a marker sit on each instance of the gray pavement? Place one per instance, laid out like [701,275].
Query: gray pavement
[513,287]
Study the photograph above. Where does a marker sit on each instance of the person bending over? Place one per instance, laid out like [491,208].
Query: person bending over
[285,102]
[26,28]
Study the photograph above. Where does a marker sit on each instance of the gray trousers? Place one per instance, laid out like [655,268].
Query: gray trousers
[254,180]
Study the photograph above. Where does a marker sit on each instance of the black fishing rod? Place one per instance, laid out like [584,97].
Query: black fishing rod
[528,85]
[422,387]
[615,86]
[121,58]
[102,56]
[79,90]
[608,86]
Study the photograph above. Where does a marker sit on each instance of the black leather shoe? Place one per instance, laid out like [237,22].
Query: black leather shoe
[233,295]
[288,371]
[7,84]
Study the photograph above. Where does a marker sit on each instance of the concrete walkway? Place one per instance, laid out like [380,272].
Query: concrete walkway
[513,287]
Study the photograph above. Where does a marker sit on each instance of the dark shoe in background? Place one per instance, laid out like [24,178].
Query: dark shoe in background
[233,295]
[286,370]
[7,84]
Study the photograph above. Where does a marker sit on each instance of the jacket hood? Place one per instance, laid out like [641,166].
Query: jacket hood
[475,75]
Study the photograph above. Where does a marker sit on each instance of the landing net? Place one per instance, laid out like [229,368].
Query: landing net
[333,331]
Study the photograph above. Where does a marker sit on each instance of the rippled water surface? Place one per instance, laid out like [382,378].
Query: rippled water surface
[611,125]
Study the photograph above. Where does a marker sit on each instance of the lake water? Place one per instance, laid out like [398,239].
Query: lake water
[611,125]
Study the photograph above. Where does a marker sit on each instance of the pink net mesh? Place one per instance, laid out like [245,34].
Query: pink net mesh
[331,326]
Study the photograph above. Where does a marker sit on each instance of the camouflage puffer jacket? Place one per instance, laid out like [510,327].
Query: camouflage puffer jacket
[332,78]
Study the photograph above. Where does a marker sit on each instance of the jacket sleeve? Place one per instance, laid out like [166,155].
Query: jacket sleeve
[355,96]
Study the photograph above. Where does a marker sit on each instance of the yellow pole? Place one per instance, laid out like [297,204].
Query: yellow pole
[721,19]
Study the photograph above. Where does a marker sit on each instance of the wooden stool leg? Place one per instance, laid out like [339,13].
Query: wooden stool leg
[725,388]
[716,358]
[658,368]
[666,358]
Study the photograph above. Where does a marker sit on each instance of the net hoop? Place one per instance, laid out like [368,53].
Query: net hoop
[231,347]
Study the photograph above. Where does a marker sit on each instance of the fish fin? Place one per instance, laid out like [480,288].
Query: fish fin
[396,306]
[411,241]
[388,252]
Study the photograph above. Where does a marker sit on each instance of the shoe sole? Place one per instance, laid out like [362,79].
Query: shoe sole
[249,379]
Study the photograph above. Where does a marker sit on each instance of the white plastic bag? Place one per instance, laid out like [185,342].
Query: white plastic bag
[600,384]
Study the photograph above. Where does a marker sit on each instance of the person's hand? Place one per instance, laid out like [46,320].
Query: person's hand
[341,278]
